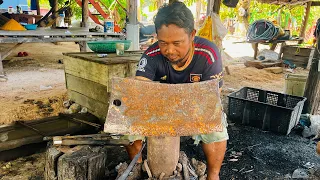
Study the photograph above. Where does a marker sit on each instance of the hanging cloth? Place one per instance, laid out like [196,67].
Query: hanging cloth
[33,5]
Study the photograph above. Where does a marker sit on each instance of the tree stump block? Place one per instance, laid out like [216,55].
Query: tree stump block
[80,162]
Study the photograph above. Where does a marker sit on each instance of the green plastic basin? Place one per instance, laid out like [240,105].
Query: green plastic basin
[107,46]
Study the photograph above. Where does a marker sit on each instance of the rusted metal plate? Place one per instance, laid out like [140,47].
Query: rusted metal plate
[153,109]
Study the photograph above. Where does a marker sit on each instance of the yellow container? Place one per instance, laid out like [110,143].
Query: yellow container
[295,84]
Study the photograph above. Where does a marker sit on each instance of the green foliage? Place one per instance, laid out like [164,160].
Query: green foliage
[270,12]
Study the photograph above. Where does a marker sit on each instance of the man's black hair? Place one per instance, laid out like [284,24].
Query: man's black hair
[175,13]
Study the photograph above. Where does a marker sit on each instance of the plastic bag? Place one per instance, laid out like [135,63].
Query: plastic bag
[206,30]
[218,29]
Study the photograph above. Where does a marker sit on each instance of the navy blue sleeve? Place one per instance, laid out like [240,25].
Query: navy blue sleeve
[147,67]
[213,69]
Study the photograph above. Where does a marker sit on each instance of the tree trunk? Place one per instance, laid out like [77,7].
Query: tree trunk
[78,163]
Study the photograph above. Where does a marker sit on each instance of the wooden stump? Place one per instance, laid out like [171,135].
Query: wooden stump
[163,155]
[80,162]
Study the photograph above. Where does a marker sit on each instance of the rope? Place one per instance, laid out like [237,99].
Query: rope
[262,30]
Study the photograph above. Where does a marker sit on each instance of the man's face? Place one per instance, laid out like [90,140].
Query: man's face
[174,42]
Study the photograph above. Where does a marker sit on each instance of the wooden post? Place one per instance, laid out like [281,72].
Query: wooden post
[80,162]
[1,68]
[216,6]
[198,9]
[133,12]
[38,7]
[163,155]
[312,91]
[84,23]
[305,20]
[210,6]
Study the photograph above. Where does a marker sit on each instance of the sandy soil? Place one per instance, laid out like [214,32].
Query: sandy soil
[36,89]
[35,86]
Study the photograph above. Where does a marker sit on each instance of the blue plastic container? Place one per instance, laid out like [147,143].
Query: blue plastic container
[31,26]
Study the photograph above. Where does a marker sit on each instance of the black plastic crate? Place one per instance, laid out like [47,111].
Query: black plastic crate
[267,110]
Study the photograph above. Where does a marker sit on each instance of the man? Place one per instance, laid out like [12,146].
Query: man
[180,57]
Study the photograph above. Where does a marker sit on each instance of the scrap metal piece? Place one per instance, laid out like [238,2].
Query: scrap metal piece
[153,109]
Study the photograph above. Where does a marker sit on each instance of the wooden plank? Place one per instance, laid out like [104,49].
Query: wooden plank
[99,72]
[88,88]
[301,59]
[312,91]
[14,136]
[296,50]
[96,108]
[49,40]
[88,70]
[74,31]
[112,58]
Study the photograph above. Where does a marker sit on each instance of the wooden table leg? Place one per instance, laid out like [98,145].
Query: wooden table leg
[255,48]
[5,54]
[1,67]
[273,46]
[281,50]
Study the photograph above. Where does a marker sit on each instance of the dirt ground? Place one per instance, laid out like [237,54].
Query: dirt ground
[36,89]
[35,86]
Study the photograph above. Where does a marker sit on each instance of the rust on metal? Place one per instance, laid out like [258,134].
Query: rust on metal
[155,109]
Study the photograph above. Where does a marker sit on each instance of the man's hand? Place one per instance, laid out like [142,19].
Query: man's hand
[142,78]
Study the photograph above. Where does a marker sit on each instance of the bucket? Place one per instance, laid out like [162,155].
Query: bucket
[109,26]
[295,84]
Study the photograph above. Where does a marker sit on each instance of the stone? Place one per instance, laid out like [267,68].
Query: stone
[74,108]
[201,168]
[179,167]
[204,177]
[194,162]
[67,104]
[300,173]
[3,79]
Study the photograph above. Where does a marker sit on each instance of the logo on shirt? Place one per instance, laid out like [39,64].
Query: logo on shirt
[195,77]
[164,78]
[142,64]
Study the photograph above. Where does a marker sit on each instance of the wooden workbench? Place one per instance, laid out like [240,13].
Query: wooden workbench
[274,44]
[48,35]
[88,78]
